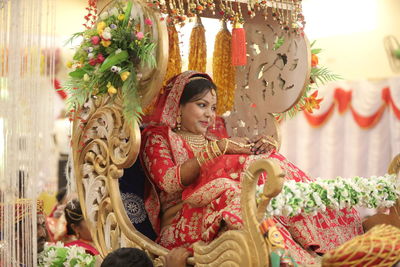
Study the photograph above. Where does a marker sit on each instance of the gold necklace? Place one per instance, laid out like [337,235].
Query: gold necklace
[196,141]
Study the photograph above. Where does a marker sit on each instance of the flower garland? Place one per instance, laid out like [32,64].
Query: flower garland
[309,198]
[224,73]
[108,59]
[198,48]
[59,256]
[319,76]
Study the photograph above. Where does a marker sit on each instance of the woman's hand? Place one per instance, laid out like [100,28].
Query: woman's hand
[263,144]
[177,257]
[235,145]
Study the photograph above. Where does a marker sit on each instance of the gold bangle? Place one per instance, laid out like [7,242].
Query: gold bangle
[239,144]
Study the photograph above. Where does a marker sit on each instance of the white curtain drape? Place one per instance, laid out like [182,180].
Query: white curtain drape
[340,147]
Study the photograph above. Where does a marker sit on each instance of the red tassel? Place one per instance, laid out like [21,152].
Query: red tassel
[239,57]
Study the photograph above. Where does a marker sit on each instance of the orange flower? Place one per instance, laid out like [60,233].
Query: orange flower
[312,102]
[314,60]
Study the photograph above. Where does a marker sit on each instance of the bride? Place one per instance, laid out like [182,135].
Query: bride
[194,175]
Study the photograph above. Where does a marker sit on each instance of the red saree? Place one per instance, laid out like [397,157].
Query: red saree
[212,204]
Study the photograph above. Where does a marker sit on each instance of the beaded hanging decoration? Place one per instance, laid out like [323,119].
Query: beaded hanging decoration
[287,12]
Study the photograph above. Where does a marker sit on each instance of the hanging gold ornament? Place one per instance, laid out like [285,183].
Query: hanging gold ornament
[174,66]
[198,49]
[224,73]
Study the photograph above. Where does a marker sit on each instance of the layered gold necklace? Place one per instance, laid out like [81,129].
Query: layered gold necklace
[196,141]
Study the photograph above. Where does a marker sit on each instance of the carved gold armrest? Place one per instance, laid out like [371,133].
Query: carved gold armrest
[244,247]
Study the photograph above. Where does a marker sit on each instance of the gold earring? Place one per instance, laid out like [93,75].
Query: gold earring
[178,122]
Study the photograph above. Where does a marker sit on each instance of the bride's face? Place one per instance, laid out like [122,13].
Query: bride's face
[197,116]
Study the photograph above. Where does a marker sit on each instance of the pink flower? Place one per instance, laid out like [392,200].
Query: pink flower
[100,58]
[148,22]
[93,61]
[139,35]
[95,40]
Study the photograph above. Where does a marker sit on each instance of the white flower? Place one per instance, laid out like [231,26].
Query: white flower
[106,35]
[90,55]
[73,252]
[104,15]
[52,255]
[118,51]
[113,11]
[365,192]
[317,199]
[86,77]
[226,114]
[59,244]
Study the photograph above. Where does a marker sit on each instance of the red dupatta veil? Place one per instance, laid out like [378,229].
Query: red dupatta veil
[167,105]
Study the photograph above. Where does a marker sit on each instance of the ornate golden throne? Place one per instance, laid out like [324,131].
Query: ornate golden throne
[104,145]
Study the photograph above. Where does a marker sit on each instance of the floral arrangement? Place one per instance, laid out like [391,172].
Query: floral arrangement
[339,193]
[59,256]
[114,47]
[319,76]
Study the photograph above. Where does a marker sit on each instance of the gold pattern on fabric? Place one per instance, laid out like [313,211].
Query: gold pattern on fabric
[298,253]
[179,152]
[323,232]
[169,183]
[209,191]
[164,178]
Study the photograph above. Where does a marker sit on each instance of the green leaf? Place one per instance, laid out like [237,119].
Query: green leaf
[316,51]
[278,43]
[127,14]
[73,37]
[88,68]
[78,73]
[113,59]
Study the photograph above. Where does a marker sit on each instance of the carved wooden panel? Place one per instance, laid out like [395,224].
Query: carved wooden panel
[273,79]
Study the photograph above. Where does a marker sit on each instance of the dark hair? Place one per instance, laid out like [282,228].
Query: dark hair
[196,89]
[73,214]
[127,257]
[61,194]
